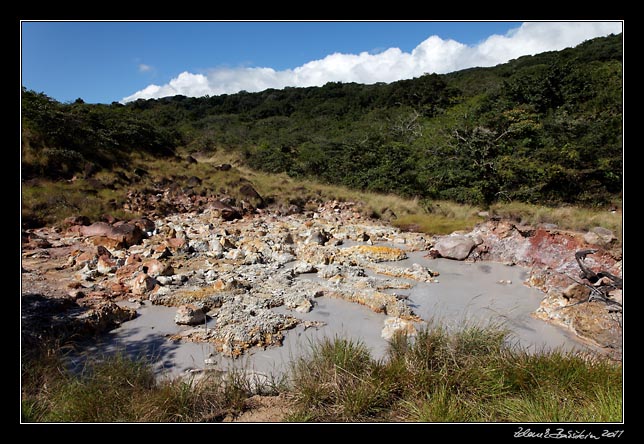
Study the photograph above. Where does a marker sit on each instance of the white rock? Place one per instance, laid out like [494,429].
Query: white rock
[302,267]
[455,247]
[189,314]
[164,280]
[397,325]
[304,307]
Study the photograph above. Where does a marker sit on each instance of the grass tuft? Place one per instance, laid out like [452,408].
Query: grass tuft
[466,375]
[118,388]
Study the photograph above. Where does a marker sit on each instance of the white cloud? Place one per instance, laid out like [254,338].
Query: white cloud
[433,55]
[145,68]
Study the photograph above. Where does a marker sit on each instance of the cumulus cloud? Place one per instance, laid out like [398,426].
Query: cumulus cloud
[433,55]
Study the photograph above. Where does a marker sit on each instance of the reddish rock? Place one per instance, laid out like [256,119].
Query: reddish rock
[105,265]
[142,284]
[75,230]
[112,244]
[157,268]
[84,256]
[127,271]
[125,234]
[117,288]
[133,259]
[176,243]
[161,252]
[97,295]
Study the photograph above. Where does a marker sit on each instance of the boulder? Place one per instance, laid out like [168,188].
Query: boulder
[599,236]
[126,233]
[251,195]
[456,247]
[225,211]
[105,316]
[189,314]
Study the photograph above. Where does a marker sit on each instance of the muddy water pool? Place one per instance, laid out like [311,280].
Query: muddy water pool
[465,293]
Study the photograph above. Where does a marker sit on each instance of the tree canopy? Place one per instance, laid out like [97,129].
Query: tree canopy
[544,128]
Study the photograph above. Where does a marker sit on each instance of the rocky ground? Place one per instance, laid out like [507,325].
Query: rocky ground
[233,262]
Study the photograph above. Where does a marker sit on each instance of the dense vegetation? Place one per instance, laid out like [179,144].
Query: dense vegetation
[544,128]
[469,375]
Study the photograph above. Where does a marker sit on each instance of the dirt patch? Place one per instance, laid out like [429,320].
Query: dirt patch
[264,409]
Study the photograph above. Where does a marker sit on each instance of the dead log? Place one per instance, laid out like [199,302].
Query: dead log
[600,283]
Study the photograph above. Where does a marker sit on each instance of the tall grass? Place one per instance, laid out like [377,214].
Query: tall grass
[566,217]
[469,375]
[118,388]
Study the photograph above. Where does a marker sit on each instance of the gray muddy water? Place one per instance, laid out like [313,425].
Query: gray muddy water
[464,293]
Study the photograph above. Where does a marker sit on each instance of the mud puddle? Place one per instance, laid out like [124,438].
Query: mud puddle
[465,293]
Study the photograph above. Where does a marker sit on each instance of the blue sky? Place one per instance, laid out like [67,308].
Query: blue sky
[102,62]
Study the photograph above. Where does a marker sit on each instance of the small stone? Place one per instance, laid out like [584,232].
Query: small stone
[164,280]
[318,237]
[142,284]
[394,325]
[105,265]
[576,292]
[157,268]
[304,267]
[304,307]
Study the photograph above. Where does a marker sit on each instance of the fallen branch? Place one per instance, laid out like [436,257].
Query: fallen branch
[600,283]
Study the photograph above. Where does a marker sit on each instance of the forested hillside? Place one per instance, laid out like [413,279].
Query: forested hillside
[544,128]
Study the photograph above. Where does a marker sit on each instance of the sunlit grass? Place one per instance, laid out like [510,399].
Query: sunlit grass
[565,217]
[467,375]
[464,374]
[118,388]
